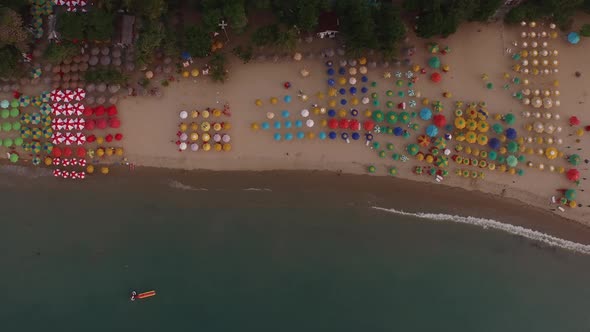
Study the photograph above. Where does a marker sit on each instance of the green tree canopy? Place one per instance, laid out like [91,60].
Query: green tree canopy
[57,53]
[12,32]
[99,25]
[71,25]
[232,10]
[391,29]
[302,13]
[561,11]
[9,66]
[357,25]
[150,38]
[197,41]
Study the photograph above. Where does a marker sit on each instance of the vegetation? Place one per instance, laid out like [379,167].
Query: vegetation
[9,67]
[243,53]
[561,11]
[13,33]
[391,29]
[234,11]
[585,31]
[218,71]
[58,52]
[302,14]
[108,76]
[71,26]
[99,25]
[275,35]
[150,39]
[197,41]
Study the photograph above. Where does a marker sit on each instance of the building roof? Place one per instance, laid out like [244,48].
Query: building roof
[328,21]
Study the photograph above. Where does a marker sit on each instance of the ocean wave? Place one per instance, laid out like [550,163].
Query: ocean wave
[257,189]
[179,185]
[490,223]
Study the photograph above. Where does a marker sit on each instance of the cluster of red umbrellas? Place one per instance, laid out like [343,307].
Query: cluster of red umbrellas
[100,111]
[70,162]
[58,173]
[109,138]
[67,95]
[113,122]
[351,124]
[58,152]
[574,121]
[68,138]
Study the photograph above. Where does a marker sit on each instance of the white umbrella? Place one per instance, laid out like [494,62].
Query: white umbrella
[194,147]
[538,127]
[363,70]
[270,115]
[537,102]
[226,138]
[352,81]
[216,137]
[297,56]
[365,100]
[183,137]
[352,71]
[547,102]
[305,113]
[304,72]
[183,114]
[182,146]
[309,123]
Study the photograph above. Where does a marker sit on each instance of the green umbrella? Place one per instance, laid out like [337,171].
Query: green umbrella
[25,118]
[5,113]
[374,84]
[14,103]
[389,93]
[497,128]
[35,118]
[382,154]
[492,155]
[36,72]
[390,146]
[375,102]
[37,133]
[14,112]
[406,135]
[509,118]
[574,159]
[376,145]
[512,161]
[13,157]
[413,149]
[490,86]
[404,117]
[414,126]
[16,126]
[6,126]
[433,48]
[521,158]
[442,161]
[47,147]
[7,142]
[434,62]
[501,159]
[570,194]
[395,156]
[434,152]
[4,103]
[389,131]
[393,171]
[36,161]
[25,132]
[18,141]
[47,132]
[512,147]
[440,143]
[35,147]
[391,117]
[401,94]
[389,104]
[45,109]
[520,172]
[418,170]
[371,169]
[378,116]
[27,147]
[46,121]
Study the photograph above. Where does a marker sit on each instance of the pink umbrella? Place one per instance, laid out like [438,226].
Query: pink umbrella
[56,95]
[56,161]
[70,124]
[79,109]
[69,138]
[80,138]
[79,94]
[79,123]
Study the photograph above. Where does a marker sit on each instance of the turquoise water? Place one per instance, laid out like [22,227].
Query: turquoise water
[239,260]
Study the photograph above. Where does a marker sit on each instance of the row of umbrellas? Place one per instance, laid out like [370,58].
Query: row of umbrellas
[67,152]
[65,109]
[67,95]
[68,138]
[205,137]
[65,162]
[68,124]
[226,147]
[69,174]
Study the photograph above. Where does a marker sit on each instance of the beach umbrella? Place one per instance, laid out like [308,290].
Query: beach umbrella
[288,136]
[355,125]
[398,131]
[425,114]
[494,143]
[439,120]
[512,147]
[4,103]
[572,174]
[7,142]
[497,128]
[345,136]
[45,109]
[13,157]
[570,194]
[35,147]
[431,130]
[574,121]
[424,140]
[574,159]
[371,169]
[391,117]
[434,62]
[511,133]
[413,149]
[14,112]
[6,126]
[332,135]
[482,139]
[47,147]
[509,118]
[378,116]
[573,37]
[5,113]
[471,137]
[404,117]
[512,161]
[483,126]
[24,101]
[18,141]
[435,77]
[368,125]
[460,123]
[344,123]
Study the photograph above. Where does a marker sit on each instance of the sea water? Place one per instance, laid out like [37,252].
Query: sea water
[260,259]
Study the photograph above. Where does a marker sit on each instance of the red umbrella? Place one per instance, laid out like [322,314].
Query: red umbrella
[435,77]
[108,138]
[99,110]
[80,152]
[80,138]
[55,95]
[333,123]
[112,110]
[87,112]
[344,123]
[368,125]
[71,124]
[574,121]
[587,128]
[67,152]
[90,125]
[573,174]
[439,120]
[79,109]
[57,138]
[355,125]
[56,152]
[90,138]
[79,123]
[114,122]
[101,123]
[69,138]
[57,109]
[119,137]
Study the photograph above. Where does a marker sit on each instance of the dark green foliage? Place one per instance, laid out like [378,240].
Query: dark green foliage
[585,31]
[301,13]
[234,11]
[150,39]
[170,42]
[9,66]
[197,41]
[71,25]
[218,71]
[391,30]
[211,19]
[99,25]
[56,53]
[244,53]
[165,83]
[109,76]
[560,11]
[266,35]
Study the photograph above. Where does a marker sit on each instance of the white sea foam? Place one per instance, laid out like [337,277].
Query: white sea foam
[489,223]
[179,185]
[257,189]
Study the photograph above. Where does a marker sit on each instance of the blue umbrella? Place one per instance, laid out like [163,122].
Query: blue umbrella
[364,79]
[277,137]
[425,114]
[265,125]
[277,125]
[356,136]
[332,135]
[343,101]
[573,37]
[331,82]
[186,55]
[364,89]
[322,135]
[288,136]
[287,99]
[344,136]
[330,71]
[300,135]
[329,63]
[285,113]
[298,124]
[341,71]
[342,91]
[288,124]
[431,130]
[354,112]
[352,90]
[331,113]
[398,131]
[494,143]
[511,133]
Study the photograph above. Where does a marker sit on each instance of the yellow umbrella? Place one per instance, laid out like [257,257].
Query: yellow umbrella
[368,113]
[362,61]
[482,139]
[471,137]
[258,102]
[194,72]
[483,126]
[580,132]
[354,101]
[227,147]
[119,151]
[183,127]
[195,114]
[104,170]
[100,152]
[429,159]
[194,126]
[459,123]
[573,204]
[217,126]
[205,114]
[109,152]
[205,126]
[254,126]
[502,150]
[471,124]
[226,126]
[342,81]
[216,112]
[218,147]
[311,135]
[332,92]
[342,113]
[206,147]
[274,100]
[99,140]
[206,137]
[492,166]
[185,74]
[332,103]
[48,161]
[89,169]
[551,153]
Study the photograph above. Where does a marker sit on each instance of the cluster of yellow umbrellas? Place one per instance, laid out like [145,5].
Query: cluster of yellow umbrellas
[109,151]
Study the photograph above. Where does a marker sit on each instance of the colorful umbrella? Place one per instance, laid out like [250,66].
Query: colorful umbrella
[570,194]
[512,161]
[413,149]
[431,131]
[45,97]
[6,126]
[404,117]
[572,174]
[45,109]
[47,147]
[460,123]
[378,116]
[471,137]
[35,147]
[424,140]
[574,159]
[482,139]
[25,118]
[425,114]
[37,133]
[391,117]
[4,103]
[24,101]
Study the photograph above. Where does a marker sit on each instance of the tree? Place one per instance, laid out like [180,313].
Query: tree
[12,32]
[266,35]
[149,9]
[197,41]
[211,19]
[302,13]
[150,38]
[357,26]
[9,66]
[56,53]
[218,71]
[391,28]
[287,39]
[99,25]
[561,11]
[109,76]
[71,25]
[235,12]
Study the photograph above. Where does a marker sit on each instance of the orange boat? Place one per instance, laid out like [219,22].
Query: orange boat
[141,296]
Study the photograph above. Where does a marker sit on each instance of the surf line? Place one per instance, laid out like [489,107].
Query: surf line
[490,223]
